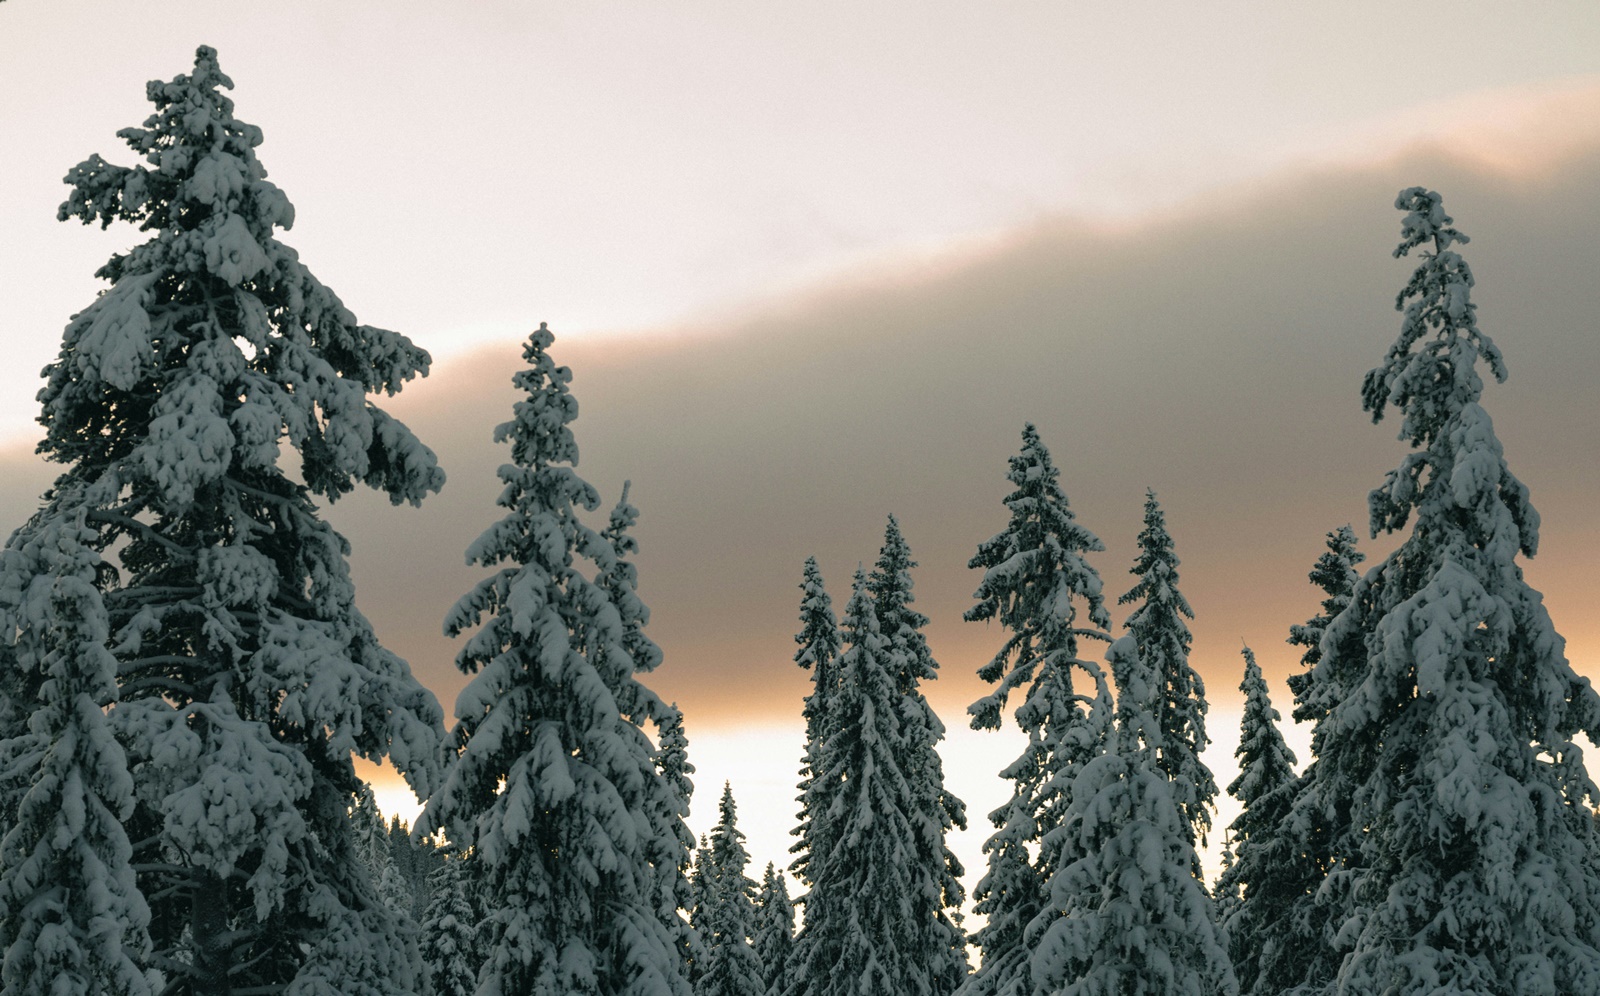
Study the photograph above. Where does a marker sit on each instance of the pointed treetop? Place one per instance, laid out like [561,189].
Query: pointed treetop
[1156,566]
[890,580]
[214,341]
[1266,763]
[819,628]
[1034,575]
[540,429]
[1441,323]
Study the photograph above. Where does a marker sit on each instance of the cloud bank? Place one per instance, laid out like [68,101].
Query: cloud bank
[1213,353]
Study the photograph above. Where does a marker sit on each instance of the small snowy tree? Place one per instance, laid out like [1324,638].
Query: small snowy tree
[1158,629]
[1469,862]
[377,853]
[555,788]
[1254,890]
[1335,573]
[72,919]
[1038,585]
[774,931]
[248,678]
[1130,918]
[449,932]
[675,889]
[818,653]
[727,919]
[936,893]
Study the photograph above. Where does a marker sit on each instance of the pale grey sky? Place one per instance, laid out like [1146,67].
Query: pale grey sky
[614,167]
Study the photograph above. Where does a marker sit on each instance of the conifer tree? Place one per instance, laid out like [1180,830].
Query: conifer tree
[1469,863]
[449,929]
[377,853]
[72,919]
[555,784]
[1134,920]
[727,920]
[1038,585]
[700,876]
[1335,573]
[818,653]
[670,846]
[1158,629]
[247,676]
[1288,941]
[856,937]
[675,887]
[1254,891]
[774,931]
[936,891]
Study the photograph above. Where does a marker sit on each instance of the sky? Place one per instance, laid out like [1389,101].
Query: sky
[815,265]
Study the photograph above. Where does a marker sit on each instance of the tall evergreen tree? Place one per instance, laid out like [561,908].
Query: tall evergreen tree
[555,784]
[727,919]
[774,931]
[449,932]
[936,892]
[247,676]
[1038,585]
[1468,866]
[1288,941]
[1254,890]
[670,846]
[818,653]
[1134,920]
[1288,935]
[1158,629]
[857,938]
[72,919]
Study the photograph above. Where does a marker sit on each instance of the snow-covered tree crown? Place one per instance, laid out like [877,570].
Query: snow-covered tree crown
[1442,373]
[819,627]
[1034,575]
[214,341]
[1157,570]
[1430,374]
[1265,762]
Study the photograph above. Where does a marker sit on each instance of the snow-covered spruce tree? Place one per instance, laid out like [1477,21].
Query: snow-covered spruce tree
[376,852]
[1290,935]
[1134,920]
[72,919]
[700,878]
[676,890]
[1469,865]
[818,653]
[727,918]
[670,846]
[857,938]
[1038,585]
[774,931]
[1335,573]
[416,861]
[1254,890]
[936,894]
[555,785]
[247,676]
[1158,629]
[449,932]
